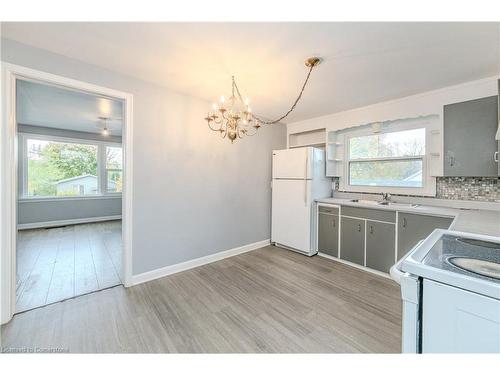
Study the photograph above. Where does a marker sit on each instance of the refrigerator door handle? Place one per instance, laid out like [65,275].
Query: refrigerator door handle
[305,193]
[307,165]
[305,178]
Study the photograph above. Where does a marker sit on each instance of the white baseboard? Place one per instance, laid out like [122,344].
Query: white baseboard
[179,267]
[58,223]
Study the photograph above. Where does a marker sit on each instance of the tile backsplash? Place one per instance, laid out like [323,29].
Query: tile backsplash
[485,189]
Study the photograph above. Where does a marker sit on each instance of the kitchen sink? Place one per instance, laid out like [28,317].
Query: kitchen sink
[481,267]
[402,205]
[364,201]
[383,203]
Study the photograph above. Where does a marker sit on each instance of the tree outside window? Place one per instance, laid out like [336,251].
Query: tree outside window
[51,164]
[62,169]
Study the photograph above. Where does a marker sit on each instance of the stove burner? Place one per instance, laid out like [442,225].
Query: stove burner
[471,241]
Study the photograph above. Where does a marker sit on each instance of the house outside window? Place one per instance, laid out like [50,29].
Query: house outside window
[114,169]
[63,167]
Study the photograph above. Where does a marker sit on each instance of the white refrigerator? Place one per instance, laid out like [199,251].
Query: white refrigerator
[298,179]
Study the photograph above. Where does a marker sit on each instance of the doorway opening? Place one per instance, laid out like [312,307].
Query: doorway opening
[69,197]
[44,173]
[70,179]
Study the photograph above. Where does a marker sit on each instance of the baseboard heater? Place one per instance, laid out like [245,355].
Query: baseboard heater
[63,223]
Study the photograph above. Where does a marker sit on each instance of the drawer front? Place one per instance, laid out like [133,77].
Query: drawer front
[458,321]
[367,213]
[329,210]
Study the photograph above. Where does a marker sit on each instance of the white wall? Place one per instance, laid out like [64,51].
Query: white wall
[194,193]
[427,103]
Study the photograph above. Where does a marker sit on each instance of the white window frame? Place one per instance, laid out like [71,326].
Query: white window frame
[104,171]
[101,166]
[428,182]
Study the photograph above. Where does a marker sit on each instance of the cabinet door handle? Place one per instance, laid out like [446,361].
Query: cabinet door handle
[371,229]
[404,222]
[334,223]
[495,156]
[359,227]
[452,161]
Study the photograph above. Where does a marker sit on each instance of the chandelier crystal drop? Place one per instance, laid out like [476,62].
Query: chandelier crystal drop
[233,118]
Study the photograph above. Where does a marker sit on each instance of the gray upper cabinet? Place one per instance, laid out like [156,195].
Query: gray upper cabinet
[328,232]
[413,228]
[380,245]
[469,138]
[498,122]
[352,240]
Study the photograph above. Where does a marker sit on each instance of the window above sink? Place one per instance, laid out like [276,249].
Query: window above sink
[387,159]
[390,157]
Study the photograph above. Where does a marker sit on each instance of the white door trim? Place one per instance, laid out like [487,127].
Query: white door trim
[8,176]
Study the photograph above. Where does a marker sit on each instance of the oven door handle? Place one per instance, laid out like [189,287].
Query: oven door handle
[395,271]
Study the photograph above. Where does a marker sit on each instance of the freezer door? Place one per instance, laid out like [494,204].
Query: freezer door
[291,214]
[295,163]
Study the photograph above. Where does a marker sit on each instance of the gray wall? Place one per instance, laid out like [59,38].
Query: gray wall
[194,193]
[65,209]
[32,212]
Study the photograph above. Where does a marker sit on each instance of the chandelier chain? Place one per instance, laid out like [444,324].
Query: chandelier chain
[235,86]
[235,121]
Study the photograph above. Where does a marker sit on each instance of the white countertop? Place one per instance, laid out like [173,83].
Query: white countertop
[483,222]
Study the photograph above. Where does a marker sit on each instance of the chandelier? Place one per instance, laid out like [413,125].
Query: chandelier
[234,118]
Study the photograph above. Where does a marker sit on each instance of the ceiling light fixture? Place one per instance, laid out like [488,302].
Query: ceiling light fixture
[105,130]
[234,119]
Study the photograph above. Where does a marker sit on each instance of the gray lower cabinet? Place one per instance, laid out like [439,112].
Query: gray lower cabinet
[328,234]
[379,251]
[352,240]
[413,228]
[497,155]
[380,245]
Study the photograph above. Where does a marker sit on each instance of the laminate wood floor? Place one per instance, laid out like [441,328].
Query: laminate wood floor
[58,263]
[264,301]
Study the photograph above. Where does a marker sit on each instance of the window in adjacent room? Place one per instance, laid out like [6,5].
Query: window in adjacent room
[60,169]
[64,167]
[114,169]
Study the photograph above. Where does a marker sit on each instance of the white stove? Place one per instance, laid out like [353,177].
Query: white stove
[450,286]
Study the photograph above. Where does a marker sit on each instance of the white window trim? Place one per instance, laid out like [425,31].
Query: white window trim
[429,182]
[104,171]
[101,167]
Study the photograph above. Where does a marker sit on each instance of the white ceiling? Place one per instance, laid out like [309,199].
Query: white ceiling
[364,63]
[61,108]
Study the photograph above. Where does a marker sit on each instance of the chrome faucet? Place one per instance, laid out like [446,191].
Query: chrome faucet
[386,198]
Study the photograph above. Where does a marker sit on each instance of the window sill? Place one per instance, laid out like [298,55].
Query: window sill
[81,198]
